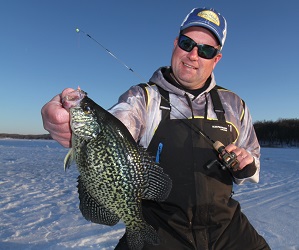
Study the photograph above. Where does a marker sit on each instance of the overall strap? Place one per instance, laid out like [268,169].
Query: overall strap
[165,104]
[166,108]
[218,108]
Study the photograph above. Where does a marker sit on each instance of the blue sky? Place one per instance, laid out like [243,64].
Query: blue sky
[41,53]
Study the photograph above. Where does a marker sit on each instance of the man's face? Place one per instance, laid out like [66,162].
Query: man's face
[190,70]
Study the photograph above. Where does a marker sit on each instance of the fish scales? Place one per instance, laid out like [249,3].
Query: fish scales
[115,173]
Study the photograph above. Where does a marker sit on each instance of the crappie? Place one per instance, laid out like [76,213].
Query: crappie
[115,173]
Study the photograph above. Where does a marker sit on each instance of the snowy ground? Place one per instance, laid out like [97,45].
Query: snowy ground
[39,201]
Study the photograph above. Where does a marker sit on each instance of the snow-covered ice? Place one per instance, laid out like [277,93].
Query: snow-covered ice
[39,201]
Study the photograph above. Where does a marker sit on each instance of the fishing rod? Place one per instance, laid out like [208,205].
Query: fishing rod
[229,159]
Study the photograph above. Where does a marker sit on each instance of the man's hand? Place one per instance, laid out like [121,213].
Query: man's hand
[56,119]
[244,157]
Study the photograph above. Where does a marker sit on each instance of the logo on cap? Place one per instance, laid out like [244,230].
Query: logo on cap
[210,16]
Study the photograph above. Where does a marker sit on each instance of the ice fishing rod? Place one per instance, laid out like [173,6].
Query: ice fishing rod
[229,159]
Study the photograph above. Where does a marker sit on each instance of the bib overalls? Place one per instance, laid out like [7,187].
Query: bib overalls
[199,212]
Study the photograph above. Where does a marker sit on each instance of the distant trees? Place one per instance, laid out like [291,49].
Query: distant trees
[29,137]
[283,132]
[280,133]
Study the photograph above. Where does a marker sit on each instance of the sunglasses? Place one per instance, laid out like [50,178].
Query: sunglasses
[203,50]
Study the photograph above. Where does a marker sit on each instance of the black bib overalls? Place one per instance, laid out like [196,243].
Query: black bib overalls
[199,212]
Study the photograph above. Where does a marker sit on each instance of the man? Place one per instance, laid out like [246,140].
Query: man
[168,119]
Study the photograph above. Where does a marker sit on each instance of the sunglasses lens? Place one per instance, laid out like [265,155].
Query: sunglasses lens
[204,51]
[186,43]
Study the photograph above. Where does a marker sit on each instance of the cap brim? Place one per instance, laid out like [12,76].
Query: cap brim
[209,27]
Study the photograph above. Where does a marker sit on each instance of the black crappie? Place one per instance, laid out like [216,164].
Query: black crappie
[115,173]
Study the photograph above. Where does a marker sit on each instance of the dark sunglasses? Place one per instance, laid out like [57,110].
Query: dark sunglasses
[203,50]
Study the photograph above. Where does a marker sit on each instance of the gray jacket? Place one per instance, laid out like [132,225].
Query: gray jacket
[141,114]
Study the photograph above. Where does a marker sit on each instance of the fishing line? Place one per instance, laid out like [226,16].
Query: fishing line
[229,159]
[127,67]
[143,80]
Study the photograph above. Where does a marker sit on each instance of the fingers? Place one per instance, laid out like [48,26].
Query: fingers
[63,139]
[53,113]
[56,119]
[243,156]
[66,92]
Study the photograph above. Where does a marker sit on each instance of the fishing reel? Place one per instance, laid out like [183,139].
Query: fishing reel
[228,159]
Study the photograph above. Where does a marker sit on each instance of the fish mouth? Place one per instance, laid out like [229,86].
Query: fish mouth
[73,99]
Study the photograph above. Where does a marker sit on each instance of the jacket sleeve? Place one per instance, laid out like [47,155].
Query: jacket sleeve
[248,140]
[131,110]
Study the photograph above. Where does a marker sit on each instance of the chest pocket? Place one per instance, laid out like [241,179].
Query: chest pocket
[225,130]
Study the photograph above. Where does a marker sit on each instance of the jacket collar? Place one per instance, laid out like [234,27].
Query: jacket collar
[164,79]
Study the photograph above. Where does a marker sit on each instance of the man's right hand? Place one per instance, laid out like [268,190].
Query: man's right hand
[56,119]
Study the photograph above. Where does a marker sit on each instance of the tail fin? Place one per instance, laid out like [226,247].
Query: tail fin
[137,236]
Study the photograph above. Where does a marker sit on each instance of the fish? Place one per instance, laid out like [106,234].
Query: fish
[115,173]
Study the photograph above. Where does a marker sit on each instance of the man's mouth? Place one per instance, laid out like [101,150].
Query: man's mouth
[189,66]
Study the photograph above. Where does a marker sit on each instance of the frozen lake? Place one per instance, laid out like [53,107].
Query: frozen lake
[39,201]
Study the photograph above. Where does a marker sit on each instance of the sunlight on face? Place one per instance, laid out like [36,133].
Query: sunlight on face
[189,69]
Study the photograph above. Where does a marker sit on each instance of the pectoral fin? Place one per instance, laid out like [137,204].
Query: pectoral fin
[69,159]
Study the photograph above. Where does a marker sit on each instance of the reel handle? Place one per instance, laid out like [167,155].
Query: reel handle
[228,159]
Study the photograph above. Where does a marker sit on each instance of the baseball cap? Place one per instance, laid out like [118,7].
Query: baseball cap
[208,18]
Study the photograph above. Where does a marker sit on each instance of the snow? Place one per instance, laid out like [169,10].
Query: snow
[39,201]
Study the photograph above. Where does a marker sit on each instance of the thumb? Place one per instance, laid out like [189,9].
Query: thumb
[66,91]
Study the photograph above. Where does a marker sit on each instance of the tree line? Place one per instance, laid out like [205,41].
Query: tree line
[28,137]
[280,133]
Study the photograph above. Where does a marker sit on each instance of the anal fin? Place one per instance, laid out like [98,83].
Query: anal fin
[92,210]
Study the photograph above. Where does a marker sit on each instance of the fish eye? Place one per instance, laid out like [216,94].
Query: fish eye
[87,109]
